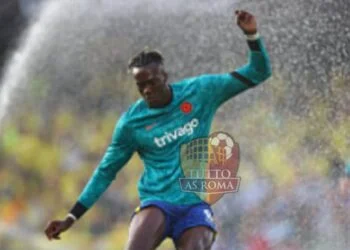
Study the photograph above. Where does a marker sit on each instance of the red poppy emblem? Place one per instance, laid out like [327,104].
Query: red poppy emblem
[186,107]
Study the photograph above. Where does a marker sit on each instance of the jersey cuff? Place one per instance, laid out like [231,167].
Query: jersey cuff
[78,210]
[243,79]
[254,45]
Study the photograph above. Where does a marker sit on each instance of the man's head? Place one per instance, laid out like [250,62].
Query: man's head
[148,70]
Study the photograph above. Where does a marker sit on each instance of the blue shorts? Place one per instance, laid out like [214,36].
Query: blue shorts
[178,218]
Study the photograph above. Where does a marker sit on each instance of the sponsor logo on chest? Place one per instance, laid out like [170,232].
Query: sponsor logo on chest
[185,130]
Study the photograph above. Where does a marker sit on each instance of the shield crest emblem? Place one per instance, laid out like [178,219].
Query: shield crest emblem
[210,166]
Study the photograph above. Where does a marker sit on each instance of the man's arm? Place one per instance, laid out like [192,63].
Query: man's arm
[258,68]
[221,87]
[116,156]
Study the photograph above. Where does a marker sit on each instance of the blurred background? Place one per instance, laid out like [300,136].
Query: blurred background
[64,84]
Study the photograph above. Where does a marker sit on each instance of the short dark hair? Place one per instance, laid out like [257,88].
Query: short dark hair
[145,57]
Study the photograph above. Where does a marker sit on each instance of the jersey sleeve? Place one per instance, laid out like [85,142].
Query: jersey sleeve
[218,88]
[116,156]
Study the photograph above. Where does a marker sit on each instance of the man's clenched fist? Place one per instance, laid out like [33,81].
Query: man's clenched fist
[246,22]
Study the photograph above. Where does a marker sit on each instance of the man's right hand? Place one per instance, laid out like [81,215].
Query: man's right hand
[56,227]
[246,21]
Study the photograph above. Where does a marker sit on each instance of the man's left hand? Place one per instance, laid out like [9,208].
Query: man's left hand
[246,22]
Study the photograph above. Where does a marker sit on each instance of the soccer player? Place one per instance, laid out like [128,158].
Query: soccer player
[167,116]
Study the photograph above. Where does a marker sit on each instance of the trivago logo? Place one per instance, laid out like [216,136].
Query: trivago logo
[168,137]
[210,166]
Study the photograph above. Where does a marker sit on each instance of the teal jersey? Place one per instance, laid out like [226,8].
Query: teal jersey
[157,134]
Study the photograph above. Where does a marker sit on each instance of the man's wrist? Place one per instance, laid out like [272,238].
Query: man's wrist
[253,37]
[253,41]
[71,217]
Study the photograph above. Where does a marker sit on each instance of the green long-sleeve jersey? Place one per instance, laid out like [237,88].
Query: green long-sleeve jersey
[156,134]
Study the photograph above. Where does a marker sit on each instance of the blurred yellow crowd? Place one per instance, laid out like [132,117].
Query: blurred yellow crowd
[45,164]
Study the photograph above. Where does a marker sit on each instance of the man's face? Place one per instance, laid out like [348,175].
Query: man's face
[151,83]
